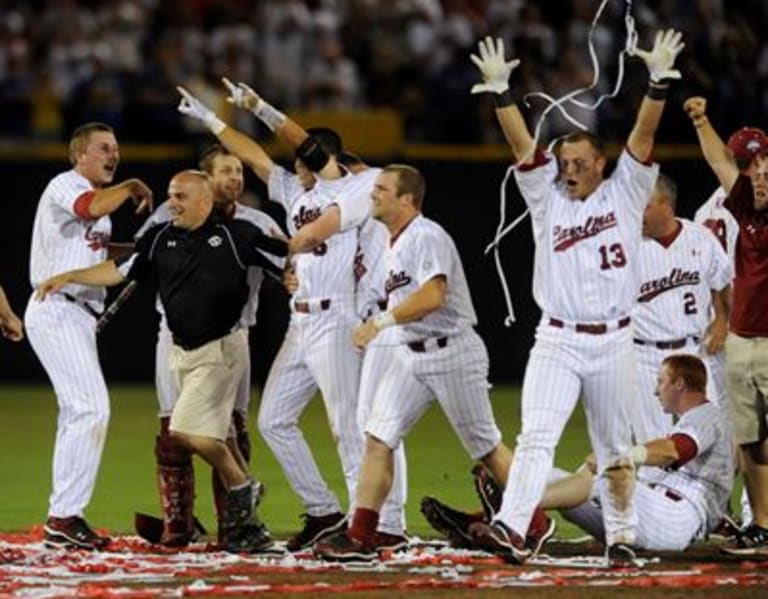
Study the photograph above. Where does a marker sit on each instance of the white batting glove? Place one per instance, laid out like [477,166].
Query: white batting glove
[494,68]
[242,96]
[660,60]
[194,108]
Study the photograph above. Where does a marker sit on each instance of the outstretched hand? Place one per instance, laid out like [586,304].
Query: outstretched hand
[660,60]
[141,195]
[241,95]
[494,68]
[193,107]
[51,285]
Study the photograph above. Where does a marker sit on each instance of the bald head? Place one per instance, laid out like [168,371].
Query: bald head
[190,199]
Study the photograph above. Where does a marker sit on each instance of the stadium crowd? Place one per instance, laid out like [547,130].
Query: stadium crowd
[64,62]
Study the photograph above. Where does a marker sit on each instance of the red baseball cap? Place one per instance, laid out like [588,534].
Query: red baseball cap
[747,143]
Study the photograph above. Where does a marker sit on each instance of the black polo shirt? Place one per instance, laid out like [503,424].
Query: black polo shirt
[201,274]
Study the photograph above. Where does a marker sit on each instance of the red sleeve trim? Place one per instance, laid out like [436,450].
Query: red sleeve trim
[82,205]
[686,449]
[539,159]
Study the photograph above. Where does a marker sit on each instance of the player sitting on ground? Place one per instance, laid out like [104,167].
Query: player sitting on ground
[684,482]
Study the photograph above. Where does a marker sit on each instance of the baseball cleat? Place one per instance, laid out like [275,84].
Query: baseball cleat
[727,529]
[389,542]
[621,555]
[541,529]
[488,491]
[343,548]
[451,523]
[752,541]
[72,533]
[317,528]
[251,537]
[499,539]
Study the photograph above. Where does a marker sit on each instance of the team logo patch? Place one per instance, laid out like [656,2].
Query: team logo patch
[677,278]
[566,237]
[214,241]
[396,280]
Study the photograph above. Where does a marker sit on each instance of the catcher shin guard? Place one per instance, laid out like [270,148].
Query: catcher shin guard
[176,484]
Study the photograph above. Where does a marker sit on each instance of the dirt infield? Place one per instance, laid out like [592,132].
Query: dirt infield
[133,569]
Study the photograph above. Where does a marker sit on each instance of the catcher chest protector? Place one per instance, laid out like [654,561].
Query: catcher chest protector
[176,484]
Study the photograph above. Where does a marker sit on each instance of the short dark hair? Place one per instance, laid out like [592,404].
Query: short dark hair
[328,139]
[80,136]
[690,368]
[409,180]
[594,140]
[668,188]
[209,155]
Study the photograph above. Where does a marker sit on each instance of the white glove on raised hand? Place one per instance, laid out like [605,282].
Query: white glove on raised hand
[194,108]
[494,68]
[241,95]
[660,60]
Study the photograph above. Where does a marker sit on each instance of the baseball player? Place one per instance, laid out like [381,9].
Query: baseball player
[316,352]
[587,234]
[746,347]
[199,261]
[72,230]
[438,355]
[685,476]
[174,461]
[11,326]
[684,275]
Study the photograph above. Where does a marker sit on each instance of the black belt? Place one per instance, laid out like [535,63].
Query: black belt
[669,493]
[82,304]
[599,328]
[672,344]
[421,346]
[306,307]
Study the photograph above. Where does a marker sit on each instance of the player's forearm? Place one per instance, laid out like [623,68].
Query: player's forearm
[108,199]
[5,307]
[291,133]
[422,302]
[250,152]
[319,230]
[641,138]
[721,304]
[658,452]
[716,153]
[105,274]
[516,133]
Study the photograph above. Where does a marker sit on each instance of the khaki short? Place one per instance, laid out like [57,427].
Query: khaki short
[207,379]
[746,365]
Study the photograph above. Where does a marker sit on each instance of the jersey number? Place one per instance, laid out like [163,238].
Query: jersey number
[689,303]
[612,256]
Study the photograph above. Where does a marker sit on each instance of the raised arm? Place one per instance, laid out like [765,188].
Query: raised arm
[104,274]
[319,230]
[660,61]
[719,159]
[496,72]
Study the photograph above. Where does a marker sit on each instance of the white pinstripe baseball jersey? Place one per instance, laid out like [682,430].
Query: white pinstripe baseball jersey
[718,219]
[62,241]
[325,271]
[422,251]
[707,479]
[585,263]
[676,281]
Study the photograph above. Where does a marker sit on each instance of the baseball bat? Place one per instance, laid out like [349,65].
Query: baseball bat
[115,306]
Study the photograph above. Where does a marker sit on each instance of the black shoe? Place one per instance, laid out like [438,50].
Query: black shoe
[240,502]
[727,528]
[452,524]
[389,542]
[251,537]
[752,541]
[621,555]
[72,533]
[499,539]
[343,548]
[488,491]
[316,528]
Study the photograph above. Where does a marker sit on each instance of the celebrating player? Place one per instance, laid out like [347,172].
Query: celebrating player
[438,355]
[72,230]
[746,347]
[587,232]
[199,262]
[683,272]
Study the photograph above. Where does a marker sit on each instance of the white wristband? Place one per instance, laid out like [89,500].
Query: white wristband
[638,454]
[384,320]
[269,115]
[215,124]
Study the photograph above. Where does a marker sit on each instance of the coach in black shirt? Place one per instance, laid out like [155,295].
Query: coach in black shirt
[200,264]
